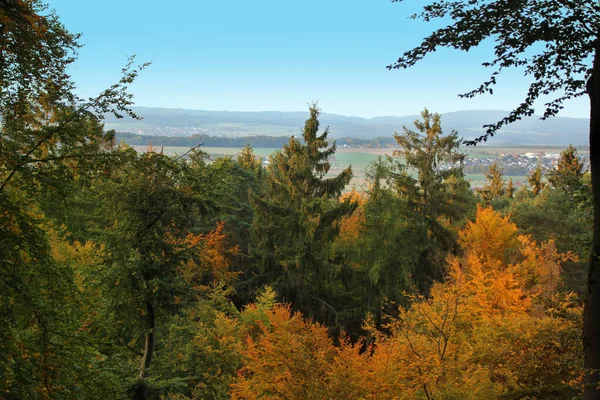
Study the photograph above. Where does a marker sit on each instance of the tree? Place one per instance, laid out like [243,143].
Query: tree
[510,189]
[535,180]
[247,160]
[383,243]
[494,186]
[568,173]
[48,138]
[493,329]
[557,44]
[297,219]
[150,205]
[430,178]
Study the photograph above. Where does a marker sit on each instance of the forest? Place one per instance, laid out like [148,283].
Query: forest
[131,275]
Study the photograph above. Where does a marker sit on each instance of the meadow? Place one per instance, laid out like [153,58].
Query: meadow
[361,158]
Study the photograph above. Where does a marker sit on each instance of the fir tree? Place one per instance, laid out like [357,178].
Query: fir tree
[297,219]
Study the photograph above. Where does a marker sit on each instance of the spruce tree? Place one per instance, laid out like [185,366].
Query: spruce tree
[535,180]
[430,178]
[568,173]
[296,221]
[494,186]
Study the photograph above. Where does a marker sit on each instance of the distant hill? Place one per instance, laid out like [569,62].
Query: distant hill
[559,131]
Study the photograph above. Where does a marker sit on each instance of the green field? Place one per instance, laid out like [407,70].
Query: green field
[361,158]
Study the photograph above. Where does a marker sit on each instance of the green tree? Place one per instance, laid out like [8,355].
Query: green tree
[568,173]
[535,180]
[551,215]
[296,220]
[430,177]
[558,45]
[49,139]
[247,160]
[382,244]
[152,210]
[494,187]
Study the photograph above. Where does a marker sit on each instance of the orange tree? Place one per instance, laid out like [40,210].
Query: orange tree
[557,44]
[496,328]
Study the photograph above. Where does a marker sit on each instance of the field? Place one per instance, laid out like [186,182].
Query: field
[361,158]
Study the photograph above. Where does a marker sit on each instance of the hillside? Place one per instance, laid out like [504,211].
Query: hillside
[558,131]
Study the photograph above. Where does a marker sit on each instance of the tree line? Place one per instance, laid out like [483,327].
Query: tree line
[269,142]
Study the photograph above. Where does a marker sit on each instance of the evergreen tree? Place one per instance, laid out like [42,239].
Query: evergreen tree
[382,243]
[430,177]
[494,187]
[568,173]
[247,160]
[296,221]
[510,189]
[535,180]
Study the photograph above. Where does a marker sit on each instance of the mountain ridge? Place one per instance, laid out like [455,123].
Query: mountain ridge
[162,121]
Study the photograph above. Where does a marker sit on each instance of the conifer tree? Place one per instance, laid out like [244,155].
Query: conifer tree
[535,180]
[510,189]
[568,172]
[247,160]
[431,180]
[494,186]
[297,219]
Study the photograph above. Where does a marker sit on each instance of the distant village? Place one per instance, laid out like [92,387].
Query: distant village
[517,164]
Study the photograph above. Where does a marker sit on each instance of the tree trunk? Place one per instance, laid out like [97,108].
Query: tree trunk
[149,346]
[591,311]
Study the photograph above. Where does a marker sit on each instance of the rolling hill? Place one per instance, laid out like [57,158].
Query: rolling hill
[559,131]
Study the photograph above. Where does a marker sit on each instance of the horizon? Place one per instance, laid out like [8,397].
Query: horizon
[535,116]
[274,56]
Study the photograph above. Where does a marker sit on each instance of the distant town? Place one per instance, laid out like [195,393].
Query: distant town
[517,164]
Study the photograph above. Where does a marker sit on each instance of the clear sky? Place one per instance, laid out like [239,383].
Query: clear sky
[267,55]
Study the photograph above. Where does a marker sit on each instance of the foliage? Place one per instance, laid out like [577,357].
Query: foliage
[296,219]
[551,215]
[510,189]
[535,180]
[495,329]
[569,172]
[494,187]
[550,41]
[381,243]
[439,193]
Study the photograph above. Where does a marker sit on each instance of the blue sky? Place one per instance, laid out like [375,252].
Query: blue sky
[279,55]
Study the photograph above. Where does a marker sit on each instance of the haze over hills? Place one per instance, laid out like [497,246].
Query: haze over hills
[558,131]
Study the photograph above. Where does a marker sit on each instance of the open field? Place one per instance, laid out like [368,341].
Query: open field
[361,158]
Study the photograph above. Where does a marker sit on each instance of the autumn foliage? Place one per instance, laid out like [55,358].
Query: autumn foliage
[495,329]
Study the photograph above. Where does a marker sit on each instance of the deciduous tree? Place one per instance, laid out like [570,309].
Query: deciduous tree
[557,44]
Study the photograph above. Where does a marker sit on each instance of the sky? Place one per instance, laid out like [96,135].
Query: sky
[277,55]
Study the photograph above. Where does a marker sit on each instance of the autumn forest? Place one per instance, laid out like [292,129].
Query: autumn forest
[139,275]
